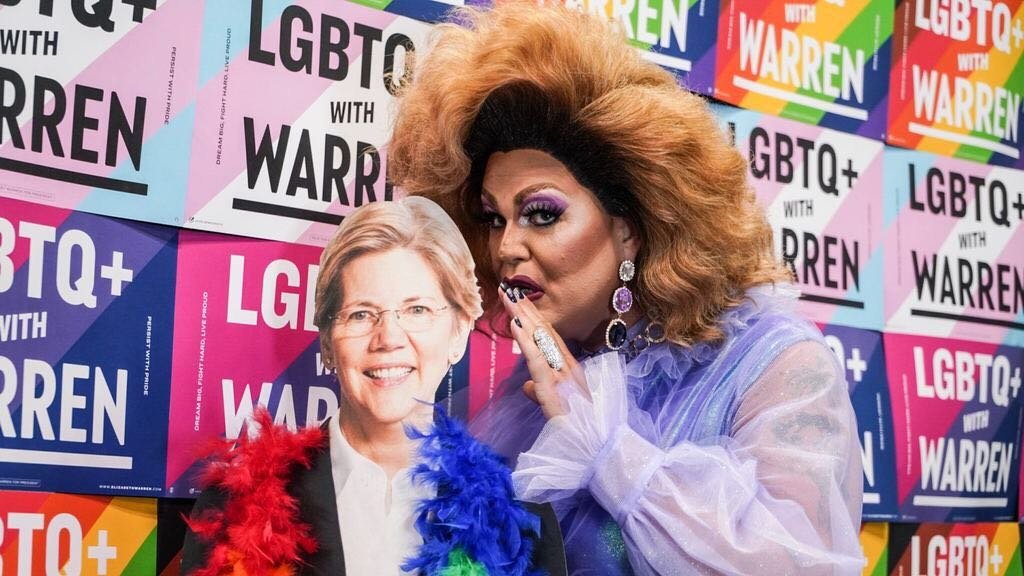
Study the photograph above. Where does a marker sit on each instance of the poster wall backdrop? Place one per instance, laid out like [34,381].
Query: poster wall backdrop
[244,338]
[956,416]
[958,79]
[953,248]
[988,549]
[46,533]
[860,354]
[824,63]
[97,105]
[822,192]
[85,344]
[291,166]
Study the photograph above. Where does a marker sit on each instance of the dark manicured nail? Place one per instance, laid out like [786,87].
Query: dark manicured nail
[516,320]
[503,286]
[511,293]
[518,292]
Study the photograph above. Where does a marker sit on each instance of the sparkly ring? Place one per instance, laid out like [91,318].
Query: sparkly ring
[548,348]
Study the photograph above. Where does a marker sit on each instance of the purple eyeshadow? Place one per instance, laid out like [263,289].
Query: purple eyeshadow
[544,202]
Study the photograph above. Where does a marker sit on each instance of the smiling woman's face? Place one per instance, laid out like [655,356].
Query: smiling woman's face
[551,237]
[388,373]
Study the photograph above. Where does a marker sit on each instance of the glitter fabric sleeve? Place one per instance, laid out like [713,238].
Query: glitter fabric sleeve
[779,493]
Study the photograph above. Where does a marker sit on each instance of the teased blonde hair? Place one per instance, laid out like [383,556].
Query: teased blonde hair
[705,238]
[412,223]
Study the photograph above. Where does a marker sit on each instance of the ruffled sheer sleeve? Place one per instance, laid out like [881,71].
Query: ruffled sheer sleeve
[780,495]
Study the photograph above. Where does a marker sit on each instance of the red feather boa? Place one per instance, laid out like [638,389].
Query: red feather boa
[258,532]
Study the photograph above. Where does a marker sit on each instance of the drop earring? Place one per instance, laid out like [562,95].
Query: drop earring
[622,301]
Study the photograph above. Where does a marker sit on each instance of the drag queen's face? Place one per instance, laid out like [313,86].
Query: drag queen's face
[390,365]
[550,237]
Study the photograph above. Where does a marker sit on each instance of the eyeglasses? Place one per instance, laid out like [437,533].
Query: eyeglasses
[362,321]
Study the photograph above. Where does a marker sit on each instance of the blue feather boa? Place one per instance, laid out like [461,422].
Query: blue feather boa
[475,510]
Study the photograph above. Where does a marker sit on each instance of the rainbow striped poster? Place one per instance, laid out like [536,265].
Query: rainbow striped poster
[824,63]
[958,79]
[47,533]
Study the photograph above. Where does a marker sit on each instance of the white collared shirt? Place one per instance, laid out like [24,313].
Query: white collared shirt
[376,538]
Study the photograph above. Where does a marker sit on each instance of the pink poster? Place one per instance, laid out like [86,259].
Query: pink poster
[822,192]
[293,115]
[244,337]
[956,425]
[97,104]
[954,248]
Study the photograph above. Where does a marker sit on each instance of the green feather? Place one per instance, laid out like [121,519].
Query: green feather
[461,565]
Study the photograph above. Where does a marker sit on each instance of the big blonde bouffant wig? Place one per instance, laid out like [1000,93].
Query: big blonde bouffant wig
[550,78]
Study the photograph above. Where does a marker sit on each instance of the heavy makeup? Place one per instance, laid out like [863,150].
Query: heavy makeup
[550,237]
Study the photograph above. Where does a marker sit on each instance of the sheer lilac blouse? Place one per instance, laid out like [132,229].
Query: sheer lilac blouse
[736,458]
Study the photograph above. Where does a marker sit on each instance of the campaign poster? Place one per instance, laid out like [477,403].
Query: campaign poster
[244,337]
[860,354]
[822,62]
[985,549]
[874,542]
[956,426]
[47,533]
[97,102]
[425,10]
[953,248]
[958,78]
[491,358]
[293,115]
[86,307]
[822,191]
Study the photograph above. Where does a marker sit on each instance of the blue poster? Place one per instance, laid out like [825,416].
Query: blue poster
[86,307]
[860,354]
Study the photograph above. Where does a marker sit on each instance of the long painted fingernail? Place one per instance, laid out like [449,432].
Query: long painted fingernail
[511,293]
[518,292]
[503,286]
[516,320]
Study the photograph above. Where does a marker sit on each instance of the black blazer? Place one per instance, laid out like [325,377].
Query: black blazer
[313,489]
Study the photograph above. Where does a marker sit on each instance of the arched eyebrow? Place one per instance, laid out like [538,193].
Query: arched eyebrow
[376,306]
[488,199]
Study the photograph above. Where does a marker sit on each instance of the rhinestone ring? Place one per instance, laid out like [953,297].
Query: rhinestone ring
[548,348]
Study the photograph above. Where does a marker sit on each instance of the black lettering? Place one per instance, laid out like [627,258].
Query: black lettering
[80,123]
[915,204]
[783,159]
[305,60]
[957,193]
[966,274]
[41,120]
[999,203]
[334,176]
[130,134]
[365,180]
[330,46]
[98,18]
[805,147]
[924,275]
[393,81]
[985,286]
[828,185]
[256,158]
[811,259]
[369,35]
[303,174]
[933,193]
[9,112]
[762,169]
[256,51]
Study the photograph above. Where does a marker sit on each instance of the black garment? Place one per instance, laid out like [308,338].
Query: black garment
[313,489]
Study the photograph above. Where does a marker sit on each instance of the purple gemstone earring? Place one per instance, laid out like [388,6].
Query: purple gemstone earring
[622,301]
